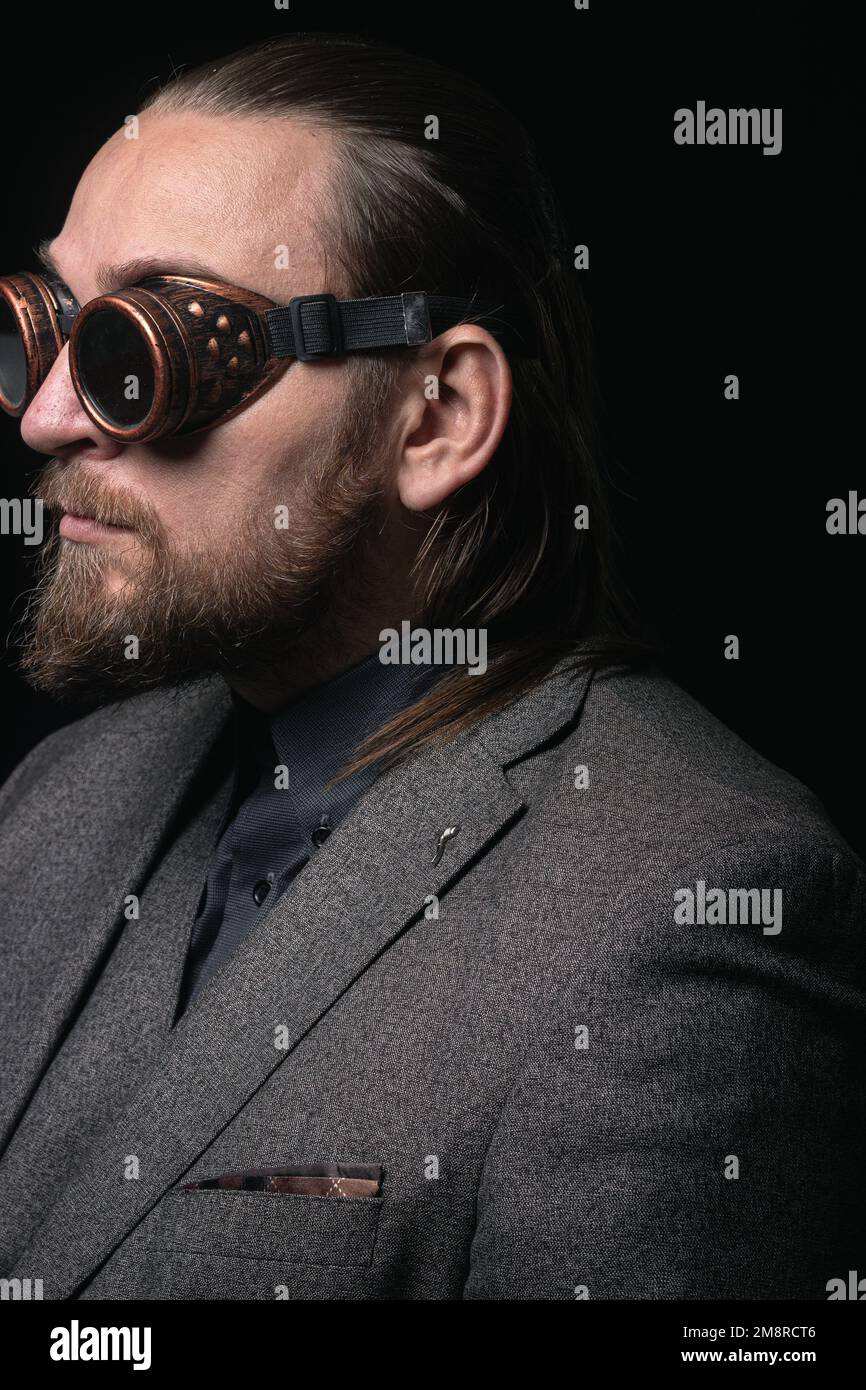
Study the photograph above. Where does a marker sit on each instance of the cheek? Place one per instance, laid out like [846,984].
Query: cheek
[275,446]
[239,472]
[206,496]
[220,510]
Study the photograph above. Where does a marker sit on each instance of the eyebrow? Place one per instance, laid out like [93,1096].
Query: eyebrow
[115,277]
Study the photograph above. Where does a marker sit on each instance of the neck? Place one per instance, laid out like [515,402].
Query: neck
[269,691]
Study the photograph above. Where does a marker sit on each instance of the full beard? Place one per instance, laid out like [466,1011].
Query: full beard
[108,621]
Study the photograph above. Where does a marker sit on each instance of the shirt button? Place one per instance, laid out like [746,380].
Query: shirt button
[261,891]
[321,832]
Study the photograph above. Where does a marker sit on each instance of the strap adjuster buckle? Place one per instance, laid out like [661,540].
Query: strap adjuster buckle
[416,319]
[336,346]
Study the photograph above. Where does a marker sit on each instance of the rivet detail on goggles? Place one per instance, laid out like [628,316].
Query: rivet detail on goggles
[175,355]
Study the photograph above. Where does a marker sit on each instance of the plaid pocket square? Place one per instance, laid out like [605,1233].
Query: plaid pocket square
[307,1180]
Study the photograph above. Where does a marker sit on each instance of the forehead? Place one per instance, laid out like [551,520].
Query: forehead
[226,192]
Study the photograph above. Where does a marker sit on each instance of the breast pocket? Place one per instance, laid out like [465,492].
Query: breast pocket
[282,1227]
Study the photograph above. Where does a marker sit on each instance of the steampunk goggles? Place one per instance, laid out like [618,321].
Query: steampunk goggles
[175,355]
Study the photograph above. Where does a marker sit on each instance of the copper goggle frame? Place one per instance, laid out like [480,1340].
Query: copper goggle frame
[207,341]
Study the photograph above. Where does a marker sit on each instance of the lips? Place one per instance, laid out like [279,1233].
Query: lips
[77,527]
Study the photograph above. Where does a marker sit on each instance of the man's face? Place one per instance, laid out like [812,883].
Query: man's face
[204,574]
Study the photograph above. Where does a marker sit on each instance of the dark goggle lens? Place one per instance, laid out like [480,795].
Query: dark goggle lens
[115,368]
[13,359]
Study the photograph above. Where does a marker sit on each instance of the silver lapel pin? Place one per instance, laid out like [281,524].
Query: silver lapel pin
[447,834]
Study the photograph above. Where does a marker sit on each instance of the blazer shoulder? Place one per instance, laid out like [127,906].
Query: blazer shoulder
[106,738]
[666,754]
[650,803]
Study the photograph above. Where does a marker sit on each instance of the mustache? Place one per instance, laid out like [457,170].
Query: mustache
[63,488]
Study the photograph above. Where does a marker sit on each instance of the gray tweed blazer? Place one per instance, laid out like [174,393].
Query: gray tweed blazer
[610,1045]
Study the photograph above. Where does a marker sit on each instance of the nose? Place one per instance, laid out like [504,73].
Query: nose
[56,421]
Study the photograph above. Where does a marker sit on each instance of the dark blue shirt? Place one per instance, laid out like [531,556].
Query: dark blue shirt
[280,812]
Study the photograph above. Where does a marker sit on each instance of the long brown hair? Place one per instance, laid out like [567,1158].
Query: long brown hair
[468,213]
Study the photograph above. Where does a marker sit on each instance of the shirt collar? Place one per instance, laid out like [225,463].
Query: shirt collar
[316,734]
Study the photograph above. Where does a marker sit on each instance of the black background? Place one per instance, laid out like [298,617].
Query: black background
[703,262]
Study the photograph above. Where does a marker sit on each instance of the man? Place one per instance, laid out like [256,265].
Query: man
[386,930]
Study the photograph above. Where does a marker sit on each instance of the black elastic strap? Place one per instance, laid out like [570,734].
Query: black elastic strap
[318,325]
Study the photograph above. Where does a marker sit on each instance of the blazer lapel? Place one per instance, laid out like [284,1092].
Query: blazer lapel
[74,905]
[367,883]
